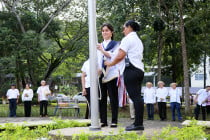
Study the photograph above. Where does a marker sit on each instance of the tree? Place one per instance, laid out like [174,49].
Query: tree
[184,59]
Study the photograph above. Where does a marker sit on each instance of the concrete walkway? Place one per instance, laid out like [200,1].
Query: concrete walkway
[150,126]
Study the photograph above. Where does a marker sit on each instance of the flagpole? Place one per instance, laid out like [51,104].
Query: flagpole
[93,65]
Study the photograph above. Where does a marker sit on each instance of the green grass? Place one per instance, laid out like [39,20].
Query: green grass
[123,112]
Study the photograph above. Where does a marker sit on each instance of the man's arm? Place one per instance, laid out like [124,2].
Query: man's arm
[83,83]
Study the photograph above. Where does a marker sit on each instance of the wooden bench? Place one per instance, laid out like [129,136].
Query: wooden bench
[67,103]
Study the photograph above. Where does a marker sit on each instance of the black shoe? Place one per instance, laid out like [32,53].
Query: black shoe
[132,118]
[104,124]
[173,120]
[113,125]
[134,128]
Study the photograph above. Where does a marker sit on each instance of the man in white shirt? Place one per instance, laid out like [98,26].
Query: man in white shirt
[149,100]
[43,93]
[85,78]
[161,94]
[201,100]
[13,96]
[175,95]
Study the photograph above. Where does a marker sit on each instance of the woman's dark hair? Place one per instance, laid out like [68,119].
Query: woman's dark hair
[110,27]
[134,25]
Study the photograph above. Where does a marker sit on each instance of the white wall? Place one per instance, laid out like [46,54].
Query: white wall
[196,77]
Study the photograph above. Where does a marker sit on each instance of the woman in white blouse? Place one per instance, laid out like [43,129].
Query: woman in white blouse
[161,94]
[175,95]
[131,50]
[149,100]
[27,99]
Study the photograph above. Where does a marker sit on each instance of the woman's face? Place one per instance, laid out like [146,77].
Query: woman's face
[127,30]
[27,86]
[106,33]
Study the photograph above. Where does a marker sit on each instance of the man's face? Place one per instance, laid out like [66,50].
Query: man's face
[12,87]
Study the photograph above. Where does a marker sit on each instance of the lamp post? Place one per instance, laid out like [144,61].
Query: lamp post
[93,65]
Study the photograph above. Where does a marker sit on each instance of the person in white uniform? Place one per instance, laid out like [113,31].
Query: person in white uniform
[13,96]
[85,79]
[43,94]
[27,97]
[201,101]
[161,94]
[149,100]
[108,78]
[131,50]
[175,102]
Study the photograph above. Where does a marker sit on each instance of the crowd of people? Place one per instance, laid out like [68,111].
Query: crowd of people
[13,97]
[120,74]
[120,65]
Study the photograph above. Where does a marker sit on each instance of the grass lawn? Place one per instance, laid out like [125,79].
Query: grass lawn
[123,112]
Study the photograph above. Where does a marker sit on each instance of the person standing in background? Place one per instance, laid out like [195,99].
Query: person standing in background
[43,93]
[175,95]
[149,100]
[200,101]
[208,105]
[161,94]
[27,99]
[85,79]
[131,50]
[13,96]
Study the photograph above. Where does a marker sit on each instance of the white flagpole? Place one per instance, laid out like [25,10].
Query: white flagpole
[93,65]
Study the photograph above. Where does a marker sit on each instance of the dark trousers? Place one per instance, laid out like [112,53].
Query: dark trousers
[112,90]
[43,105]
[27,108]
[176,107]
[208,110]
[150,111]
[162,110]
[133,78]
[12,107]
[197,112]
[87,114]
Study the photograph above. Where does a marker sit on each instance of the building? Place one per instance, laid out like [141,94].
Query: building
[197,77]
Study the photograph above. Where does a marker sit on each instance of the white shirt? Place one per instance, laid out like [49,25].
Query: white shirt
[13,93]
[120,66]
[202,96]
[161,93]
[133,47]
[86,70]
[175,95]
[111,72]
[42,92]
[27,95]
[149,95]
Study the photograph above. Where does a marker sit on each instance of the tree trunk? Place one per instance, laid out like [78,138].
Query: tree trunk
[184,59]
[204,69]
[160,46]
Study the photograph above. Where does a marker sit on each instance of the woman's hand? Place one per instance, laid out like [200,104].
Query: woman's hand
[108,63]
[99,47]
[84,93]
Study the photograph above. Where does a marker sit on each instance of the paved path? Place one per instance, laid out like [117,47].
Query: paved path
[150,126]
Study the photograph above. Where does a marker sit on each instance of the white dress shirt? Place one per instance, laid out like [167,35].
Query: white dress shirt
[149,95]
[111,72]
[86,70]
[27,95]
[161,93]
[120,66]
[175,95]
[43,92]
[202,96]
[133,47]
[13,93]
